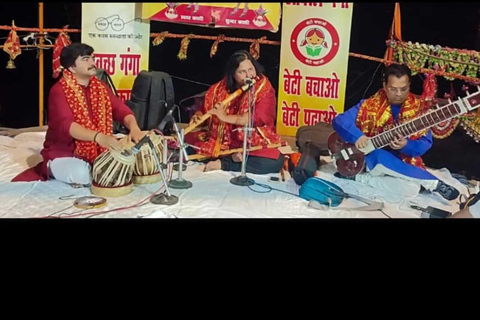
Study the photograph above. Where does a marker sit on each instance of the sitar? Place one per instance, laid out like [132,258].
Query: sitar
[351,161]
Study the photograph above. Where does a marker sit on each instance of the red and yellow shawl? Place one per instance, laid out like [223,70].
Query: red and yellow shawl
[375,116]
[102,116]
[221,136]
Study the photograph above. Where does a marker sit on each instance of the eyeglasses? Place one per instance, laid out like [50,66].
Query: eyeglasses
[395,90]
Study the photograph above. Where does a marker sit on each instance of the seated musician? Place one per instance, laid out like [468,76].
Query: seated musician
[402,158]
[81,109]
[225,126]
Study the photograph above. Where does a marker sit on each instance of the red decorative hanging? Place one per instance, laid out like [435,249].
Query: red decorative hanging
[12,46]
[62,41]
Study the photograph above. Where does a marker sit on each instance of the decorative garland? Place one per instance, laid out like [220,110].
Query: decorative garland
[456,61]
[422,70]
[38,29]
[159,38]
[445,129]
[471,125]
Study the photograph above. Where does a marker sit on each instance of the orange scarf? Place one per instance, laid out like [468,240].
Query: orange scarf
[101,120]
[375,116]
[221,136]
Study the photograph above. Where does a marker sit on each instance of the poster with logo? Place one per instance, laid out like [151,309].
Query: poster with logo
[313,63]
[242,15]
[121,40]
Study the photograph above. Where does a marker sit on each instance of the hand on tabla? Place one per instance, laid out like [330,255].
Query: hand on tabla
[109,142]
[136,135]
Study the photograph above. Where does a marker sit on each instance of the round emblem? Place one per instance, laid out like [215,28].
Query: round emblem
[314,42]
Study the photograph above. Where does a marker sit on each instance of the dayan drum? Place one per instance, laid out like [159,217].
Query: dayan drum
[146,169]
[113,174]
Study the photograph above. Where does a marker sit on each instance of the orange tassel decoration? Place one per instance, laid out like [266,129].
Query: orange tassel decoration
[255,48]
[214,49]
[182,54]
[159,40]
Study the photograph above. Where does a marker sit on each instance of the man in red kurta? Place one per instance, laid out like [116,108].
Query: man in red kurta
[224,130]
[81,111]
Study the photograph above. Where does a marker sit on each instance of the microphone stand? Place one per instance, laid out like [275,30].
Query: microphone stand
[242,180]
[180,183]
[180,138]
[162,199]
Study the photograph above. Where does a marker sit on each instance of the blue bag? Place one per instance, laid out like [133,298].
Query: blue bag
[322,191]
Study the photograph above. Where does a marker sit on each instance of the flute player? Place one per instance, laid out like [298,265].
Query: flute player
[224,127]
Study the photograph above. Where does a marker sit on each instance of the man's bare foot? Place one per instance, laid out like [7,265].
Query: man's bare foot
[237,157]
[213,165]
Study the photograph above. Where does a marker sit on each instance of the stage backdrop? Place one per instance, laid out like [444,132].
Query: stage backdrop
[120,39]
[313,63]
[248,15]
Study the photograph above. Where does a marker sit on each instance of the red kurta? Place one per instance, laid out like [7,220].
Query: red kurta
[225,135]
[58,142]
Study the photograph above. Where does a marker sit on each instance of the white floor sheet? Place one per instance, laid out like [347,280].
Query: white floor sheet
[212,195]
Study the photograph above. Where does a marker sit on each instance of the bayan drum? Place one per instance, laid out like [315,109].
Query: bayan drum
[113,174]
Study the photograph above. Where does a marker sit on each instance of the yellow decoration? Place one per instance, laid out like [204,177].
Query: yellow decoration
[182,54]
[159,40]
[12,46]
[213,50]
[472,127]
[445,134]
[10,64]
[255,48]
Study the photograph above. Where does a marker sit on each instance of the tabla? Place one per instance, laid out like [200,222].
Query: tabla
[113,174]
[146,169]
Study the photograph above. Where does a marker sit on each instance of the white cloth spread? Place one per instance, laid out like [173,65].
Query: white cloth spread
[212,194]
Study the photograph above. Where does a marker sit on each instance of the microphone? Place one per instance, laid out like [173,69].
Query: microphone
[136,148]
[168,117]
[248,81]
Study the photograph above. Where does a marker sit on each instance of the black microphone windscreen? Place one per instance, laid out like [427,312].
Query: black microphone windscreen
[136,148]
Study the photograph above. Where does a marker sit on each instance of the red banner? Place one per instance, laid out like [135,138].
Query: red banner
[257,16]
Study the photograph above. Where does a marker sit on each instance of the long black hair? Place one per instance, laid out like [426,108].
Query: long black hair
[72,52]
[232,65]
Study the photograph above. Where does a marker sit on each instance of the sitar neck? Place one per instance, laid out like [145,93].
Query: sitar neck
[427,120]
